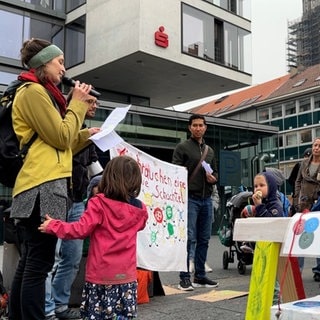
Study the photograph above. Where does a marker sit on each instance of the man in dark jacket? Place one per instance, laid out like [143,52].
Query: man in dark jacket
[201,178]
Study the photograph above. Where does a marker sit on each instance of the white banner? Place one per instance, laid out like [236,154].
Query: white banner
[162,244]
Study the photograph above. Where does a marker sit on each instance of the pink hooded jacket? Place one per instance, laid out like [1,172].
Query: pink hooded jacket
[112,226]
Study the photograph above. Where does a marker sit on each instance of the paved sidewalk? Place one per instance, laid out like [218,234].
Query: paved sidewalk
[180,305]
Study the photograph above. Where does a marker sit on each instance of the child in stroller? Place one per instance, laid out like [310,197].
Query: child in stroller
[234,208]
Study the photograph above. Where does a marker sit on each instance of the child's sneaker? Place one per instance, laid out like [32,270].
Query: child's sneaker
[204,283]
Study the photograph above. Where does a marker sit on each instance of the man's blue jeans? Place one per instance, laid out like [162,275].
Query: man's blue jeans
[68,256]
[315,269]
[199,232]
[193,244]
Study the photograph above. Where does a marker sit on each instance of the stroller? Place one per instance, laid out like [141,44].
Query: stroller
[233,210]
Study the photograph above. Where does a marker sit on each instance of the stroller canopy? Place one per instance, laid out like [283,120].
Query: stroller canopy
[238,199]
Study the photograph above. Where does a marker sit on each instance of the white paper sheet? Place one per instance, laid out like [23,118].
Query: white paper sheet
[107,137]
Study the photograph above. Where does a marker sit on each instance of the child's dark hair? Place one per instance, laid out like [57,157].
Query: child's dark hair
[121,179]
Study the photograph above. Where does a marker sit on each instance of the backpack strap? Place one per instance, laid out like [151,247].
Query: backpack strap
[203,156]
[23,152]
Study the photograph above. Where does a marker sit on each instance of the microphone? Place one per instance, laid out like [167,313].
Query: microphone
[71,83]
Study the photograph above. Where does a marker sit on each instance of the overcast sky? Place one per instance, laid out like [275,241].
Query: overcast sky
[269,22]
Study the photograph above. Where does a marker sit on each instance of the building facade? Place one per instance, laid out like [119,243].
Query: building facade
[143,52]
[152,55]
[291,103]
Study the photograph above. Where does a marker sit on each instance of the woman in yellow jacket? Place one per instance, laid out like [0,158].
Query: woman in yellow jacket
[42,184]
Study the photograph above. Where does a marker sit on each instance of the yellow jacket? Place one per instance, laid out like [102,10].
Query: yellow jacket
[50,156]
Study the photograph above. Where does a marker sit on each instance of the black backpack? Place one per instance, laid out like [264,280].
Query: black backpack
[11,157]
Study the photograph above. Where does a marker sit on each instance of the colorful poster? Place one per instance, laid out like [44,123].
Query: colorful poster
[303,235]
[162,244]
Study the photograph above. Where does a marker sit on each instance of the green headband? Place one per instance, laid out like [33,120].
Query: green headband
[45,55]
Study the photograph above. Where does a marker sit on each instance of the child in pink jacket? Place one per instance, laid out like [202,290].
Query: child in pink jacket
[112,219]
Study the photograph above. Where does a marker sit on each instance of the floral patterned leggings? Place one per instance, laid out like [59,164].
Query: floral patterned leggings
[112,302]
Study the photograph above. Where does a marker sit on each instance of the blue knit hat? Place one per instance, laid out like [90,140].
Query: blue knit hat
[93,183]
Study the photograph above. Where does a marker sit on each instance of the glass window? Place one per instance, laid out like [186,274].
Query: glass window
[218,41]
[316,117]
[244,50]
[140,101]
[299,83]
[304,104]
[215,40]
[35,28]
[277,123]
[42,3]
[276,112]
[291,139]
[270,143]
[290,108]
[306,136]
[317,101]
[7,77]
[22,28]
[231,45]
[75,42]
[237,48]
[10,42]
[290,123]
[239,7]
[266,143]
[222,3]
[280,141]
[57,5]
[317,132]
[263,115]
[290,153]
[73,4]
[58,38]
[304,119]
[197,33]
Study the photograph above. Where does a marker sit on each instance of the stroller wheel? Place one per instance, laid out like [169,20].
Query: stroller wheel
[241,267]
[225,260]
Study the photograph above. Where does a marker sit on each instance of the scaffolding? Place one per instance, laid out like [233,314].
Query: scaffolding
[303,44]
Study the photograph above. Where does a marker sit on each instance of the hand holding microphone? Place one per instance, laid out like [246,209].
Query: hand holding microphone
[72,83]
